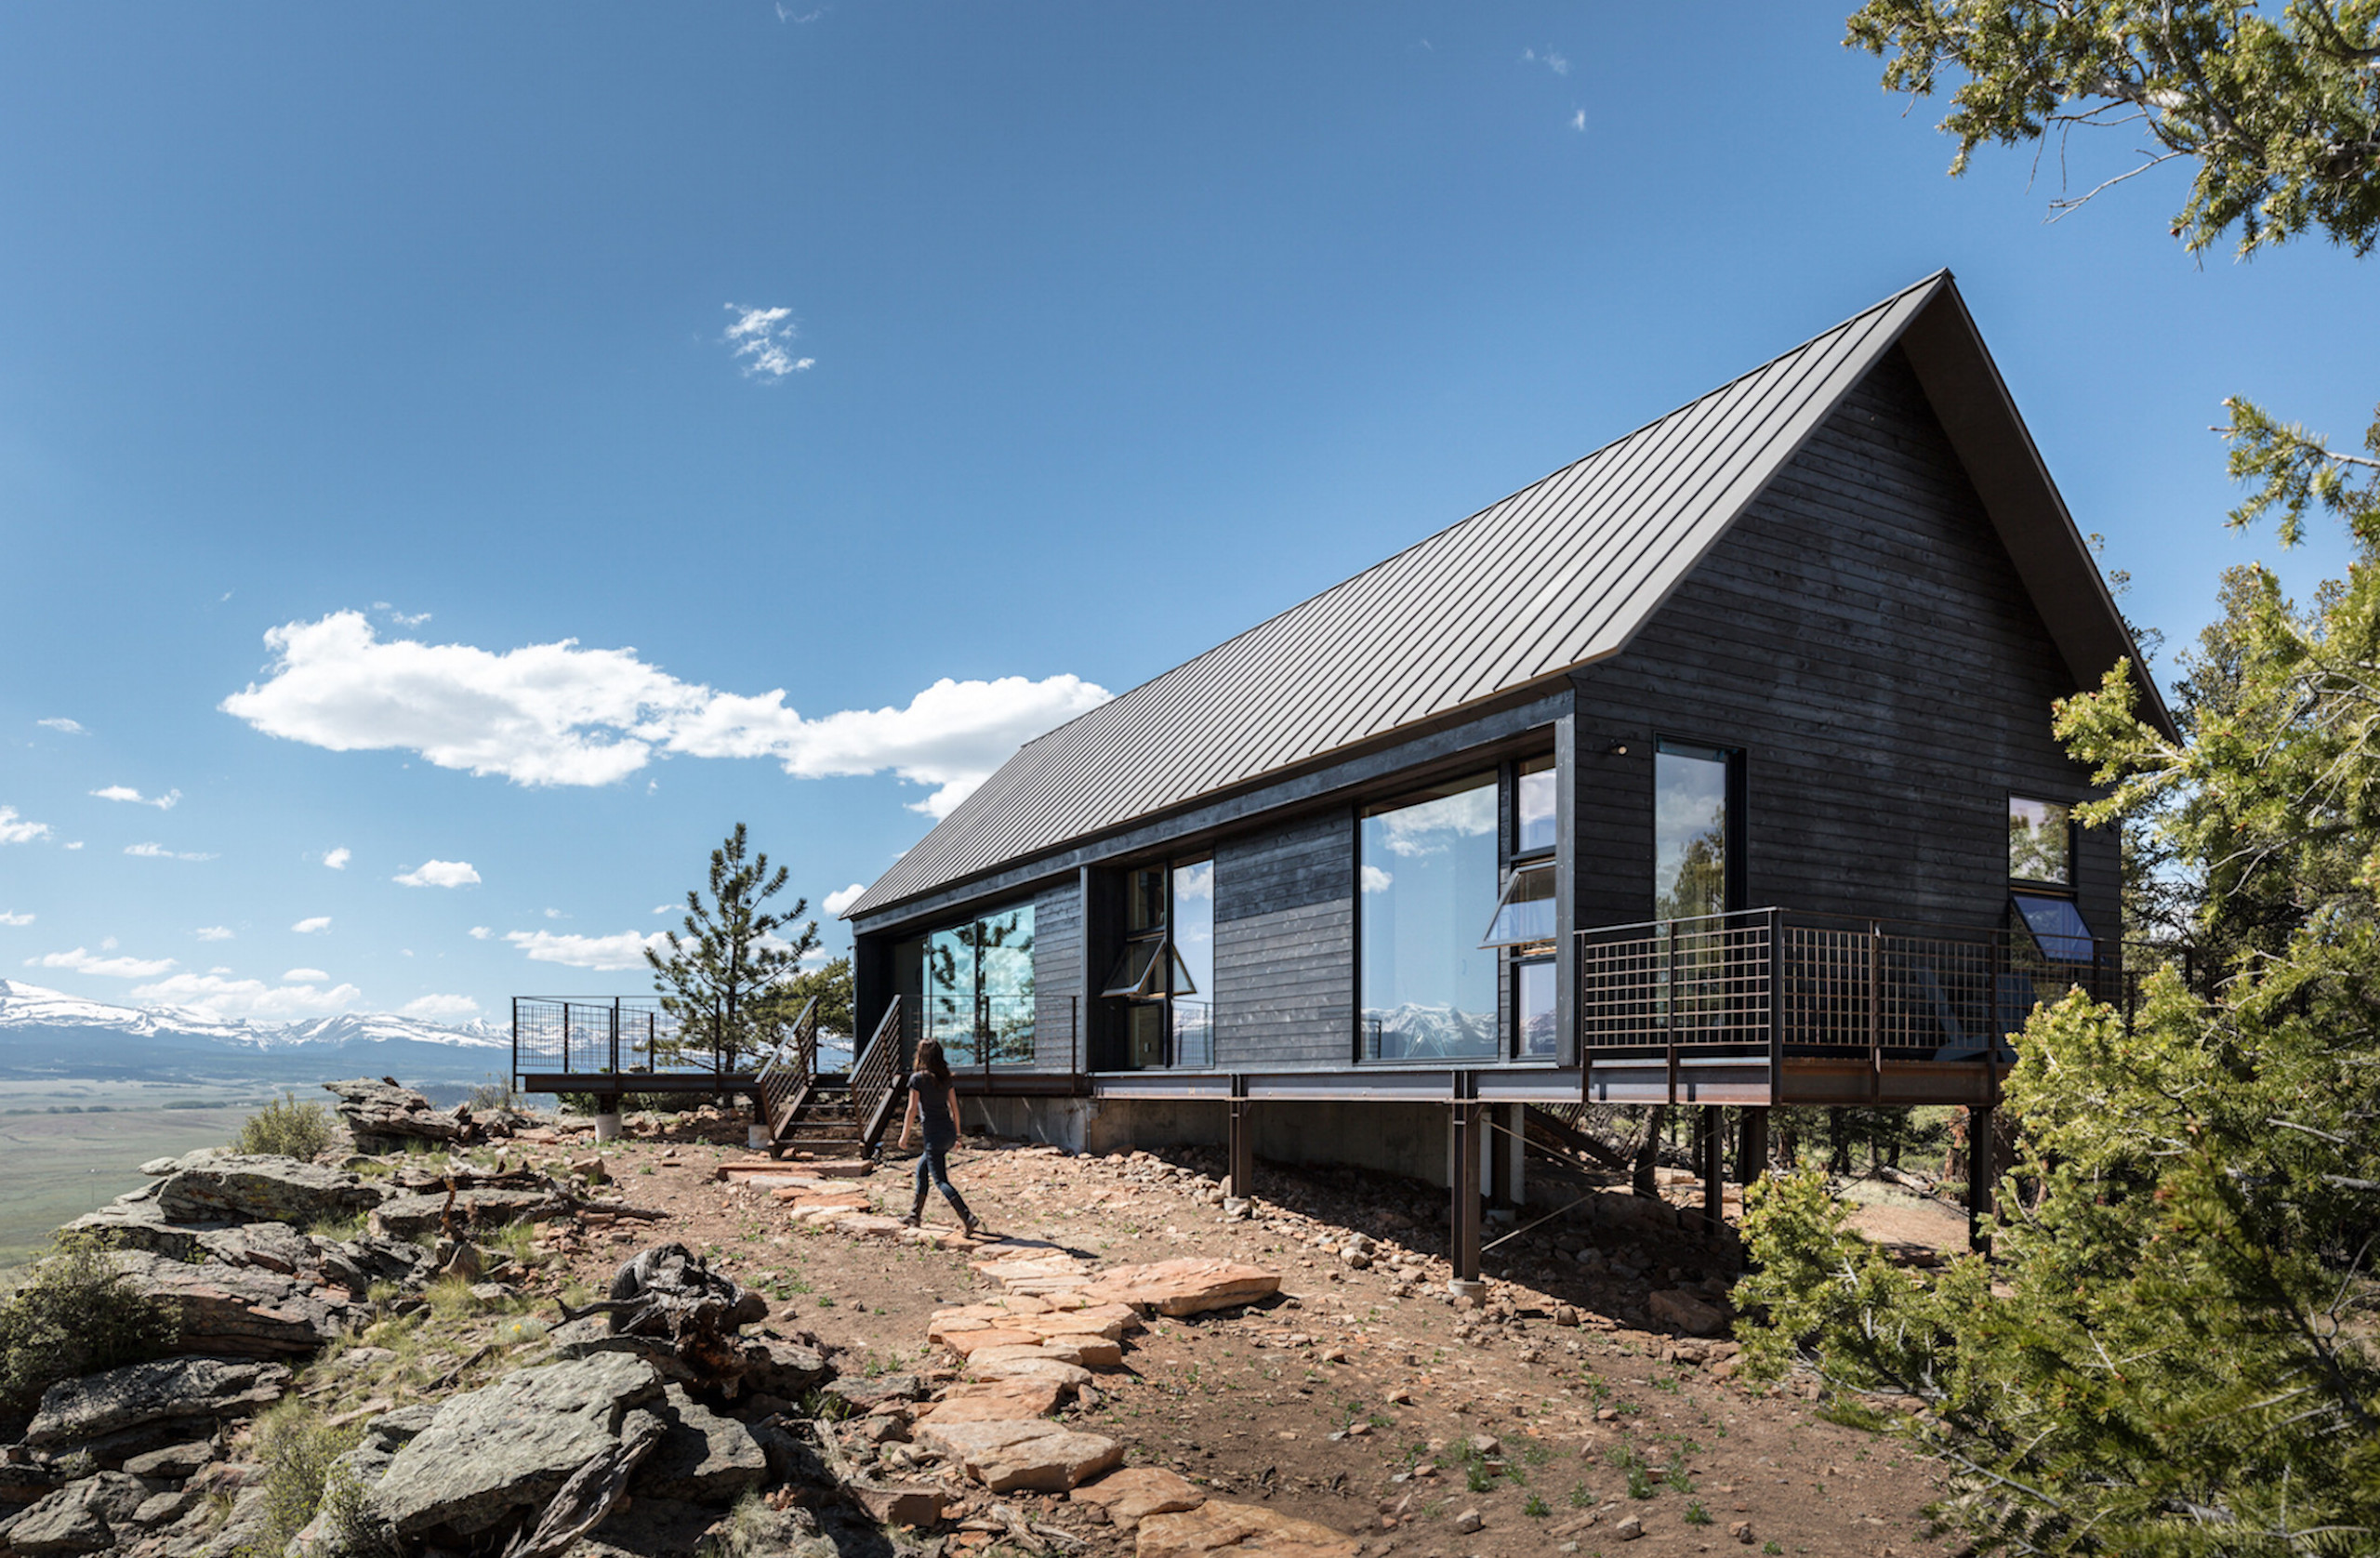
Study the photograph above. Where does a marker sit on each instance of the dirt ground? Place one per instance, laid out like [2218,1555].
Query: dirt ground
[1361,1397]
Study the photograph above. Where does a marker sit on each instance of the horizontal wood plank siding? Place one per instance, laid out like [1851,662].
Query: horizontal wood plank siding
[1057,974]
[1285,946]
[1862,635]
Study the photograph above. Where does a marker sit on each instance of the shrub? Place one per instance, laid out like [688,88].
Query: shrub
[286,1128]
[77,1315]
[296,1449]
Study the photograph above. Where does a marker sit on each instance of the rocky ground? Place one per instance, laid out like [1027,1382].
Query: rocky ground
[1135,1364]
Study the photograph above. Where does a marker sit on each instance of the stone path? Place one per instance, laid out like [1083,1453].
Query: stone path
[1060,1324]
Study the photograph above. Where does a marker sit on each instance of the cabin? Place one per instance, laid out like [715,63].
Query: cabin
[1714,769]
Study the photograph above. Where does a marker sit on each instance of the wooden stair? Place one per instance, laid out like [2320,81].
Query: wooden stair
[829,1116]
[822,1126]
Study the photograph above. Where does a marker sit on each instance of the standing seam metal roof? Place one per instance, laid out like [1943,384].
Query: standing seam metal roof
[1559,575]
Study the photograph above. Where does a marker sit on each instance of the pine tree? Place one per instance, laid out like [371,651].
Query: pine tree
[730,981]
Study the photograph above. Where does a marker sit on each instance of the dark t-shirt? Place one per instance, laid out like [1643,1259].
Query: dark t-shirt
[933,1107]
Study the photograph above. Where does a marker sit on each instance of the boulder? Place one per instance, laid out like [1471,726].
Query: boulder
[703,1458]
[238,1311]
[136,1221]
[505,1449]
[1191,1285]
[175,1462]
[868,1393]
[899,1503]
[415,1215]
[1133,1495]
[272,1247]
[356,1264]
[168,1390]
[235,1188]
[1675,1306]
[81,1517]
[384,1116]
[787,1368]
[1039,1456]
[1243,1530]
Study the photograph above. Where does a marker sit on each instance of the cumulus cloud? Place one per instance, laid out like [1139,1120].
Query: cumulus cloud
[441,873]
[441,1008]
[1579,121]
[337,860]
[76,845]
[838,901]
[603,953]
[15,829]
[304,976]
[165,802]
[225,999]
[665,909]
[158,851]
[1375,879]
[558,714]
[1552,59]
[16,920]
[84,962]
[64,726]
[481,932]
[215,932]
[309,926]
[762,339]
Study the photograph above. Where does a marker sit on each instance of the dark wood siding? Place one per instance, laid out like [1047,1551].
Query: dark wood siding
[1862,636]
[1057,974]
[1285,944]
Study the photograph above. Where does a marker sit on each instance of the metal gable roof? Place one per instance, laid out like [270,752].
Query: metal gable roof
[1559,575]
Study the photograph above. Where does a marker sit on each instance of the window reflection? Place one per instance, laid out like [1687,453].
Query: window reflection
[2041,835]
[1194,946]
[1534,807]
[1428,880]
[976,988]
[1533,999]
[1689,831]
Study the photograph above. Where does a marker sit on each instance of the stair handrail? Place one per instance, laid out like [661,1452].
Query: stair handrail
[876,1076]
[786,1076]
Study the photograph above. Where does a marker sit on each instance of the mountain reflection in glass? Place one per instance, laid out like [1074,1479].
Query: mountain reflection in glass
[1428,880]
[1689,831]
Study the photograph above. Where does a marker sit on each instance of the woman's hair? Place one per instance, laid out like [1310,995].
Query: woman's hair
[930,1060]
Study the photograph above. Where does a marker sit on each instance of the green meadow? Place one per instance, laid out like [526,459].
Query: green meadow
[68,1146]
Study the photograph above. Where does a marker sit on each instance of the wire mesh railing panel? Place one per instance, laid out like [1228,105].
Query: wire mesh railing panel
[630,1034]
[1691,982]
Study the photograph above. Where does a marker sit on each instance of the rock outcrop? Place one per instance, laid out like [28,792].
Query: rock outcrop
[183,1393]
[231,1188]
[386,1116]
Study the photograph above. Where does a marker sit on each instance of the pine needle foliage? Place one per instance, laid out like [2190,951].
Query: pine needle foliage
[730,980]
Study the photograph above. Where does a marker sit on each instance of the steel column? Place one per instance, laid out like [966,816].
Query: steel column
[1715,1194]
[1751,1146]
[1982,1170]
[1243,1141]
[1464,1244]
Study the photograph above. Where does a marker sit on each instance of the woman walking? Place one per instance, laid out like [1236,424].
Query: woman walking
[934,1103]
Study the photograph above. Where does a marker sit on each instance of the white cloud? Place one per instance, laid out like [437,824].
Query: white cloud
[165,802]
[1375,879]
[1432,826]
[309,926]
[227,999]
[16,830]
[623,951]
[1579,121]
[556,714]
[62,725]
[481,932]
[441,873]
[304,976]
[76,845]
[1552,60]
[762,337]
[665,909]
[337,860]
[838,901]
[108,945]
[441,1008]
[215,932]
[157,851]
[16,920]
[556,914]
[84,962]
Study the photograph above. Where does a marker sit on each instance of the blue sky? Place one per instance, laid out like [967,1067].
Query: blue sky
[406,467]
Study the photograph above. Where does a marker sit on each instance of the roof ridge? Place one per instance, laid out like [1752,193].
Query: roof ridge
[1602,448]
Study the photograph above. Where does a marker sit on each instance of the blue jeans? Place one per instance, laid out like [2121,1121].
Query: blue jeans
[934,1171]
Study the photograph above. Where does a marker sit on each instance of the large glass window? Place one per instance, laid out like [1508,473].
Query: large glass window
[1194,944]
[1691,827]
[1166,972]
[1533,806]
[977,988]
[2041,838]
[1533,1006]
[1427,879]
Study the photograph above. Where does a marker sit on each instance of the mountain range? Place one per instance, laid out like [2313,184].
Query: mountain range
[49,1034]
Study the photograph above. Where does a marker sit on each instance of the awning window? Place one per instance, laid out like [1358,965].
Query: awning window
[2057,927]
[1524,914]
[1139,973]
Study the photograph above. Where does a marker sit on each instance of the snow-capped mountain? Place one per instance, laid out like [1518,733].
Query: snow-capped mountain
[49,1033]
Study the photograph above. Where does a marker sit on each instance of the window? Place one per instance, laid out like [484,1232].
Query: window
[1693,831]
[1533,818]
[2056,926]
[974,987]
[1524,914]
[1166,971]
[1533,1007]
[2041,841]
[1427,881]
